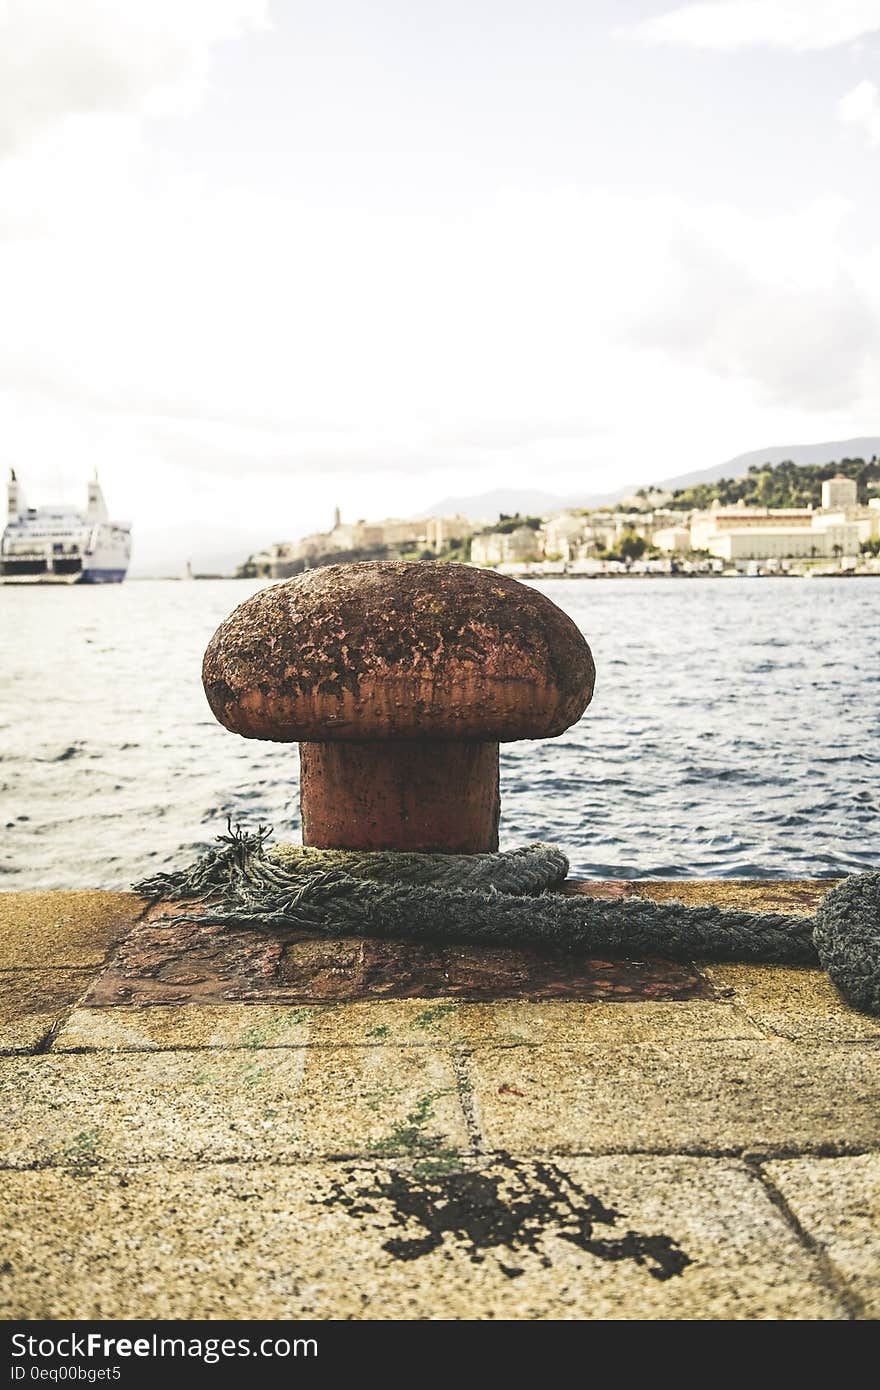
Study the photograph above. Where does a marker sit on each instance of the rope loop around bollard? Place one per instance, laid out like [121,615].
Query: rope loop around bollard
[512,898]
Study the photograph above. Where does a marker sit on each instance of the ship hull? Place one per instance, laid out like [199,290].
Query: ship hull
[103,576]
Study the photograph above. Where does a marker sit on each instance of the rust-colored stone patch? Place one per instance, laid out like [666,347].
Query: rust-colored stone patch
[162,963]
[359,969]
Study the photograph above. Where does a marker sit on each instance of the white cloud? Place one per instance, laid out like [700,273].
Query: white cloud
[800,25]
[861,107]
[217,333]
[779,302]
[73,58]
[234,355]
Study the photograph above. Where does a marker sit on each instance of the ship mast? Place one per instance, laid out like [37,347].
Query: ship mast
[16,506]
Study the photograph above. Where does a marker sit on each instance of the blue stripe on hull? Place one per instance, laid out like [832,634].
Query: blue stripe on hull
[102,576]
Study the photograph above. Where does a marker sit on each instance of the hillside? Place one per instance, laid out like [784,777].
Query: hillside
[507,501]
[785,484]
[863,447]
[487,505]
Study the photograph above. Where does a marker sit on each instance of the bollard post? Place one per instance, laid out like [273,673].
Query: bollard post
[399,680]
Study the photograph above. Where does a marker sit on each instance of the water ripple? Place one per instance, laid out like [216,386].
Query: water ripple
[735,732]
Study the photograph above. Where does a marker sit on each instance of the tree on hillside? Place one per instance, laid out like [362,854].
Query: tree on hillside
[632,547]
[507,523]
[785,485]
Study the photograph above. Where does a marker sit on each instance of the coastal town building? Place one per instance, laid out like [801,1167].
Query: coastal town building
[785,543]
[673,539]
[865,519]
[569,538]
[441,531]
[838,492]
[609,528]
[579,541]
[835,530]
[359,538]
[566,535]
[706,527]
[364,535]
[507,547]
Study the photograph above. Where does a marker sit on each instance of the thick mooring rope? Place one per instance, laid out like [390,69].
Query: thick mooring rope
[510,898]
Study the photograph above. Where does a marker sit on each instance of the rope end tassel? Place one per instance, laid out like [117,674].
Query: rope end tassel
[511,898]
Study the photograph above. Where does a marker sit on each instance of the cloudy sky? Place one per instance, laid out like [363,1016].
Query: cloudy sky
[259,257]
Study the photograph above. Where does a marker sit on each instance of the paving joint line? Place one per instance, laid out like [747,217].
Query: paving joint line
[485,1155]
[466,1099]
[830,1276]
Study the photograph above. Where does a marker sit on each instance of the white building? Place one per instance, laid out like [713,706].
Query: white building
[440,531]
[760,533]
[839,492]
[673,539]
[865,519]
[507,547]
[785,542]
[488,549]
[566,535]
[705,526]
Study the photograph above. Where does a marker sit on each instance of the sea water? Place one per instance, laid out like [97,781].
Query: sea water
[734,732]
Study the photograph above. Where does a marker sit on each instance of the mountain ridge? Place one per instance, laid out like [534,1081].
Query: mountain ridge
[529,501]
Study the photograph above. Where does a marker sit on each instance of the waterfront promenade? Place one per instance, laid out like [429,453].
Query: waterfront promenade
[200,1122]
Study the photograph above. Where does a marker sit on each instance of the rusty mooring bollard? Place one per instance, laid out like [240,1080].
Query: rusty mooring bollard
[398,680]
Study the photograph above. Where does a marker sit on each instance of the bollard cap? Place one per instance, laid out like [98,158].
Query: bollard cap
[398,650]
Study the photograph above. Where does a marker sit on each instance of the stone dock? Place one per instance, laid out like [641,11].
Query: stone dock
[201,1122]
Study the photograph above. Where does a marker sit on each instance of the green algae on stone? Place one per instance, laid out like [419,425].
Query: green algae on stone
[411,1135]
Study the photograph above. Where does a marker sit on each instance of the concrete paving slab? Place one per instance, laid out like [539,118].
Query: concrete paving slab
[411,1022]
[628,1238]
[103,1108]
[793,1002]
[560,1023]
[201,1141]
[696,1097]
[33,1002]
[837,1203]
[153,1028]
[63,929]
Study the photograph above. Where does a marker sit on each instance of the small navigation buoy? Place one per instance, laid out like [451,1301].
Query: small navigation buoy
[399,680]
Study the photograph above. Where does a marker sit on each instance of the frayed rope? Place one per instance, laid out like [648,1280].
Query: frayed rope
[508,899]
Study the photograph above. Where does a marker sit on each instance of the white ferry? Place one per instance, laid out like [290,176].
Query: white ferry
[59,545]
